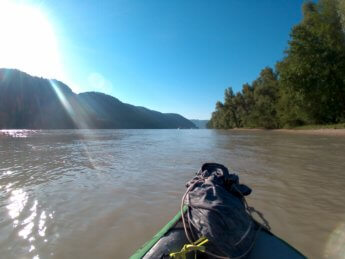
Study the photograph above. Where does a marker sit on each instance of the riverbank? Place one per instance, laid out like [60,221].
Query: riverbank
[328,130]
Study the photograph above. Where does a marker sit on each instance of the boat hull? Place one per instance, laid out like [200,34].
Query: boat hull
[171,238]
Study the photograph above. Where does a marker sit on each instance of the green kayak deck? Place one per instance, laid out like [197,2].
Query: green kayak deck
[171,238]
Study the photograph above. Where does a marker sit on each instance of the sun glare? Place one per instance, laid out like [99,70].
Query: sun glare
[28,41]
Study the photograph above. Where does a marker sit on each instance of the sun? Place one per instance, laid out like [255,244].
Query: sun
[28,41]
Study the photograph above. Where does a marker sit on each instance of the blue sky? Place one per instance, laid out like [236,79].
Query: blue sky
[169,55]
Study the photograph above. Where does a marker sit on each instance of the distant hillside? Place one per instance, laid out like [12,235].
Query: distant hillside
[36,103]
[201,124]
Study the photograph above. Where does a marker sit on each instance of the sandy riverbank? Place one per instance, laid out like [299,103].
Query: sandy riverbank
[328,132]
[324,132]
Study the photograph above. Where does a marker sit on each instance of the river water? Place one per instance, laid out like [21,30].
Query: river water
[103,193]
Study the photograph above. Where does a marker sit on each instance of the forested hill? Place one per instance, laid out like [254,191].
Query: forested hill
[306,87]
[201,124]
[36,103]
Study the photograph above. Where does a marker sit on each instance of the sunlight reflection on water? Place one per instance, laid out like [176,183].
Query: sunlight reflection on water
[18,200]
[29,222]
[41,225]
[15,133]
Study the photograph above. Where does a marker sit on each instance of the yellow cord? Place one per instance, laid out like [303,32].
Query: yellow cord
[187,248]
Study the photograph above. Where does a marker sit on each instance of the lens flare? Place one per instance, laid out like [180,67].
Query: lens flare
[62,98]
[80,118]
[335,247]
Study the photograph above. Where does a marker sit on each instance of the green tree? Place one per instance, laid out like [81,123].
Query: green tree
[308,85]
[255,106]
[266,94]
[231,111]
[313,69]
[217,120]
[341,10]
[226,116]
[245,102]
[289,108]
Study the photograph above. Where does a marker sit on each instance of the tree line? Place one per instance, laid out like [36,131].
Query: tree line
[306,87]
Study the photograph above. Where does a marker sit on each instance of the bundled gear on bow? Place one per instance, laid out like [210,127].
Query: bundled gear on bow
[217,211]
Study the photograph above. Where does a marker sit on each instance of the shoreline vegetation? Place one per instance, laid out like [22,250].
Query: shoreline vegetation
[305,91]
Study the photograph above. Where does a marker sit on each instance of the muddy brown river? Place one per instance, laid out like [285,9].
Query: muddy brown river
[103,193]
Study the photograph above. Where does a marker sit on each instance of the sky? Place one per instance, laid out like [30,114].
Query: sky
[168,55]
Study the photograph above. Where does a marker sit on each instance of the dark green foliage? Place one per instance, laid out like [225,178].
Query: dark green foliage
[341,9]
[37,103]
[314,68]
[266,94]
[255,106]
[218,118]
[309,85]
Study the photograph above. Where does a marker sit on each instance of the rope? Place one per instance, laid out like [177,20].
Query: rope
[249,209]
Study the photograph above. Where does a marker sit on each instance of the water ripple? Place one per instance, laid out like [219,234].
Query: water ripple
[73,193]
